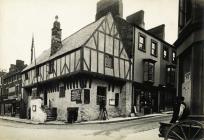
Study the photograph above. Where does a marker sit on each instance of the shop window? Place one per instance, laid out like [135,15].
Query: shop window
[171,75]
[174,57]
[51,67]
[165,53]
[61,90]
[109,61]
[149,70]
[117,99]
[141,45]
[154,48]
[86,96]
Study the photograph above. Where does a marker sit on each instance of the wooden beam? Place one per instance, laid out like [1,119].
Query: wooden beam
[104,70]
[74,61]
[90,59]
[60,66]
[97,48]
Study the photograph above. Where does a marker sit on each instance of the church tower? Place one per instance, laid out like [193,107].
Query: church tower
[56,37]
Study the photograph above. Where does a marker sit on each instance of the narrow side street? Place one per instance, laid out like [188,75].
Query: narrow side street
[127,130]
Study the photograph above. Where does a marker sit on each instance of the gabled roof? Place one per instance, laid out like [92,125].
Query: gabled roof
[126,32]
[70,43]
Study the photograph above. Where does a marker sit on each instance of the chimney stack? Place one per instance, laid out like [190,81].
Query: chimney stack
[158,31]
[56,37]
[137,19]
[105,6]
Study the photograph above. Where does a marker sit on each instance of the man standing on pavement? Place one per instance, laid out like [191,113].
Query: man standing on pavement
[183,110]
[176,108]
[180,111]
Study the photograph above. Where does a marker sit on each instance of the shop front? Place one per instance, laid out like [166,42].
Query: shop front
[145,99]
[10,107]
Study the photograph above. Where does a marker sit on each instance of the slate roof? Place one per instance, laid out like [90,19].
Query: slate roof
[126,32]
[70,43]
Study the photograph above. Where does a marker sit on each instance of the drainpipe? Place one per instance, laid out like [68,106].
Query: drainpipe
[133,69]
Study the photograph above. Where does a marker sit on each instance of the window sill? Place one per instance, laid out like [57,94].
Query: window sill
[154,55]
[144,51]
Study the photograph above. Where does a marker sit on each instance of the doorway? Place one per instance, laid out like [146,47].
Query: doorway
[101,96]
[45,97]
[72,114]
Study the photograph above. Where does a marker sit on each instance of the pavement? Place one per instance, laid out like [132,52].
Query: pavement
[111,120]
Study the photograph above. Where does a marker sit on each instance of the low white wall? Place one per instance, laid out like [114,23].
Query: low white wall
[37,114]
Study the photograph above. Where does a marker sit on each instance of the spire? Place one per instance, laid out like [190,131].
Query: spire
[32,48]
[56,17]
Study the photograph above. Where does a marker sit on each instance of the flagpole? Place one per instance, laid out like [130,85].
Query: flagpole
[35,65]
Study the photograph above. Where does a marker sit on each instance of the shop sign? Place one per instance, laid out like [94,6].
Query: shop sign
[76,95]
[12,89]
[112,102]
[187,77]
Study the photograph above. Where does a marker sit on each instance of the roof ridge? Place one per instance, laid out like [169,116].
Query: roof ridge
[94,25]
[82,28]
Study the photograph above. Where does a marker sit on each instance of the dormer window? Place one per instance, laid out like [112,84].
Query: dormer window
[149,70]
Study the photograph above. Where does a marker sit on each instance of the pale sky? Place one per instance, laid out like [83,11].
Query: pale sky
[20,18]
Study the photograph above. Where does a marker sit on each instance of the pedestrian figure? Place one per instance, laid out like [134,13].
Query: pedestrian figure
[183,110]
[180,110]
[103,112]
[176,108]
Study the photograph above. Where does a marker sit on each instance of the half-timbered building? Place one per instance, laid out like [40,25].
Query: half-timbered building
[81,72]
[111,63]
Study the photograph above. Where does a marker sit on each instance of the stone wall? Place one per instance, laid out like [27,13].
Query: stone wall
[91,111]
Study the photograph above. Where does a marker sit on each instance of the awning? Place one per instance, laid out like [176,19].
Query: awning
[9,101]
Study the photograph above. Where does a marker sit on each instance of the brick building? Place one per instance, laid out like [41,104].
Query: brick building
[2,73]
[11,90]
[154,67]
